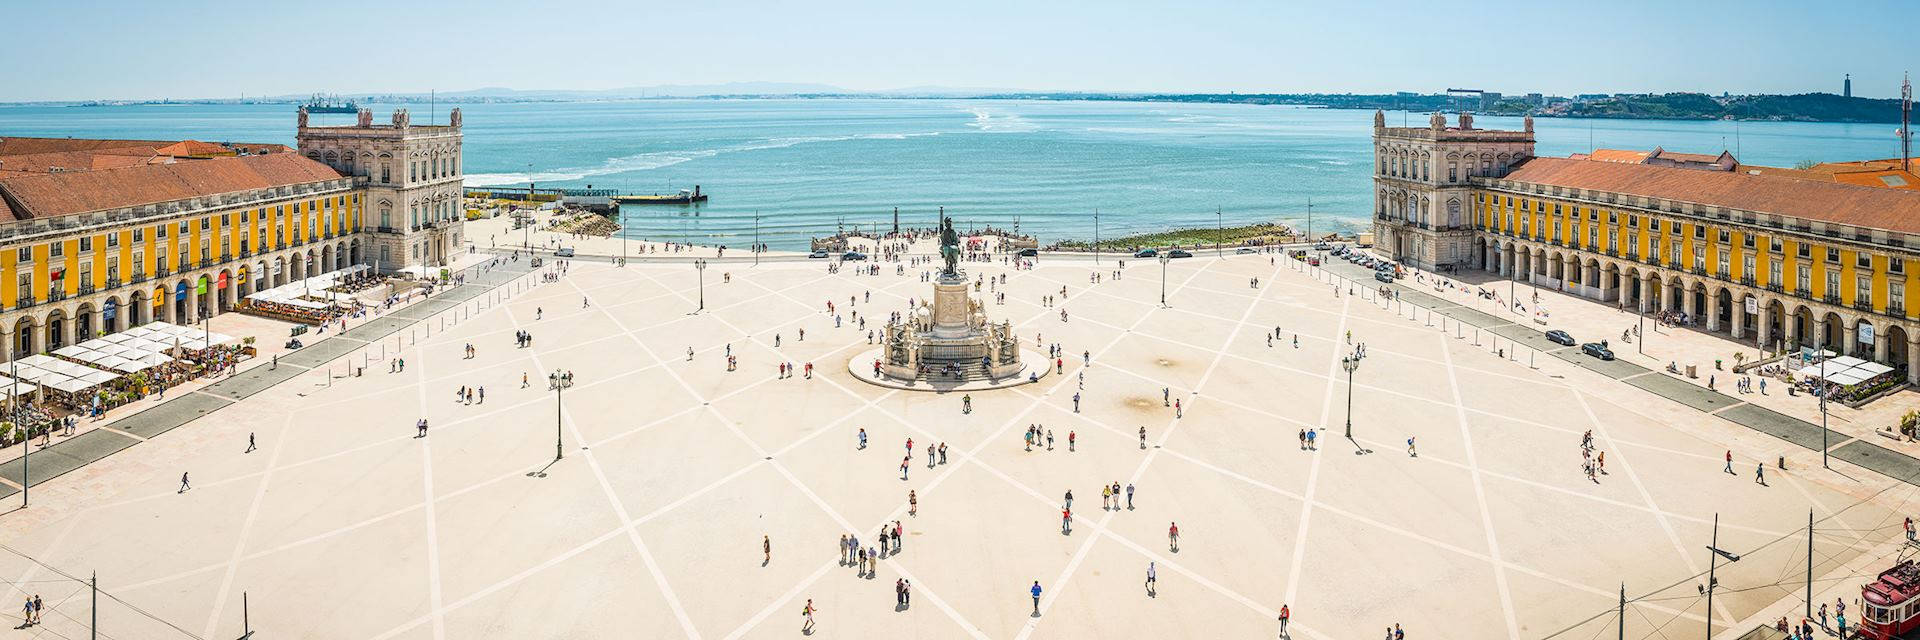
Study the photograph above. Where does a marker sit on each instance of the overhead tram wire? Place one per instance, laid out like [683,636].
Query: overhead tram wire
[103,592]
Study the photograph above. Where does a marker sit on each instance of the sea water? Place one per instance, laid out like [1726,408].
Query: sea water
[798,168]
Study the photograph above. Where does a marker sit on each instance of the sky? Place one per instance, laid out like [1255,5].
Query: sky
[111,49]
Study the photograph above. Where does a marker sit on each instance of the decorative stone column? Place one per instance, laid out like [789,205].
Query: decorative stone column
[1739,316]
[1913,357]
[1852,337]
[39,338]
[1792,324]
[1763,330]
[1820,333]
[1879,345]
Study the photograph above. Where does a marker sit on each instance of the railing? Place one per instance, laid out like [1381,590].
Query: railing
[1831,298]
[86,289]
[1746,280]
[1699,271]
[57,294]
[24,302]
[138,278]
[1863,305]
[1802,292]
[1776,288]
[1897,309]
[113,283]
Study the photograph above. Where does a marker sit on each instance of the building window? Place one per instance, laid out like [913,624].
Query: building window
[1593,236]
[1700,259]
[1746,240]
[1654,225]
[1833,282]
[1723,236]
[1805,281]
[1863,260]
[26,284]
[24,254]
[1773,244]
[86,243]
[1833,255]
[56,249]
[1721,260]
[160,263]
[113,239]
[1453,172]
[1896,299]
[1773,273]
[1699,231]
[206,223]
[1673,254]
[1896,265]
[1803,250]
[1746,267]
[1863,289]
[139,235]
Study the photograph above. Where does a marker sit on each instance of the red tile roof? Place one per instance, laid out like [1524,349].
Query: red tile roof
[56,194]
[81,160]
[1890,209]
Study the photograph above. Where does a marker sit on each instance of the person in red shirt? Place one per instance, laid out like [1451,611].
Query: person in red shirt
[1173,537]
[1284,615]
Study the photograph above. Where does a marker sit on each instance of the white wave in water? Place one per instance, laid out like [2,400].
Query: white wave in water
[658,159]
[1337,163]
[988,120]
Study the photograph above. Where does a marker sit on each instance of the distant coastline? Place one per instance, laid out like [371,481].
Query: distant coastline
[1806,107]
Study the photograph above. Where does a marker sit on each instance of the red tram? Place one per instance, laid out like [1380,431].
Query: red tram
[1892,602]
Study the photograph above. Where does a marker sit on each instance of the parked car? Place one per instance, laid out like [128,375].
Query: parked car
[1179,253]
[1029,252]
[853,255]
[1243,250]
[564,252]
[1321,246]
[1315,261]
[1383,276]
[1146,253]
[817,254]
[1560,337]
[1597,350]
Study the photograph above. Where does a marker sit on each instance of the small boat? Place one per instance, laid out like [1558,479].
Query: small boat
[683,197]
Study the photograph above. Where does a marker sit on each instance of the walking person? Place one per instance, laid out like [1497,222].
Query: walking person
[1035,591]
[1151,591]
[766,547]
[806,627]
[184,485]
[1760,473]
[1729,468]
[250,446]
[1143,437]
[913,504]
[1411,452]
[1173,537]
[1129,496]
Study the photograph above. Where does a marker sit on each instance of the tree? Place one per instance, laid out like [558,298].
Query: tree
[1804,165]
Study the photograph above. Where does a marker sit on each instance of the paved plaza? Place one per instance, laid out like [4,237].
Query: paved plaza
[345,524]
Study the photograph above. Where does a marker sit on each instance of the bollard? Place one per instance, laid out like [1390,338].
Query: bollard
[1530,355]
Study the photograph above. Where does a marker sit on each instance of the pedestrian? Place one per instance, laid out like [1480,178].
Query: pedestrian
[904,463]
[766,546]
[1143,437]
[1176,408]
[1173,537]
[1069,498]
[1285,615]
[943,453]
[1129,496]
[1165,393]
[1049,439]
[1303,439]
[913,504]
[421,427]
[250,446]
[1729,468]
[26,612]
[1411,452]
[1910,529]
[1106,498]
[932,456]
[1150,579]
[1066,521]
[1760,473]
[1036,598]
[1070,439]
[807,613]
[184,485]
[863,437]
[1312,439]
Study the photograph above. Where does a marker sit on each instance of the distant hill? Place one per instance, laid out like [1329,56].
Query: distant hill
[1805,107]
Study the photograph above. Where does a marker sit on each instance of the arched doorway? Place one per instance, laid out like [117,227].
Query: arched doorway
[83,323]
[1896,337]
[23,332]
[1836,333]
[57,329]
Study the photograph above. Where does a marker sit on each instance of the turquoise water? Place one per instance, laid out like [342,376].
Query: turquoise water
[808,167]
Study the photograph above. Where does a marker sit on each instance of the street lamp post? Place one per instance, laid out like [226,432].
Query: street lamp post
[1163,278]
[1219,231]
[526,234]
[1096,236]
[1713,558]
[756,238]
[559,384]
[1349,364]
[700,268]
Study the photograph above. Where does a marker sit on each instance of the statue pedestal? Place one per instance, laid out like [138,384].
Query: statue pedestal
[950,307]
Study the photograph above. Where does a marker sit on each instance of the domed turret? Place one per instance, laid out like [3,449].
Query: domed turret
[1437,121]
[1379,119]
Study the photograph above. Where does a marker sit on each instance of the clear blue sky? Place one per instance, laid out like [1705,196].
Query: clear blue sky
[152,49]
